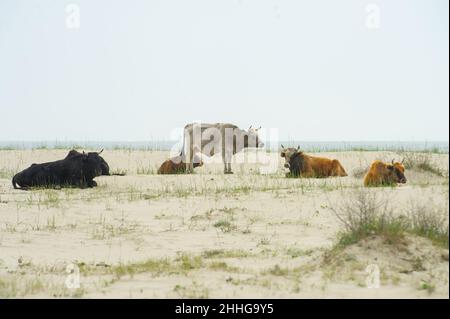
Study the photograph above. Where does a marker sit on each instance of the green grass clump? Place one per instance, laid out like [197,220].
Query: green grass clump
[278,271]
[220,253]
[145,170]
[420,162]
[225,225]
[365,215]
[392,230]
[426,220]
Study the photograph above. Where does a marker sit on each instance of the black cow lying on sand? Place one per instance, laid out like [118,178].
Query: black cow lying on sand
[75,170]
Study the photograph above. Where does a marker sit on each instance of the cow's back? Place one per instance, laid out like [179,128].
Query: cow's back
[165,167]
[36,175]
[171,167]
[376,174]
[323,167]
[338,169]
[189,141]
[320,166]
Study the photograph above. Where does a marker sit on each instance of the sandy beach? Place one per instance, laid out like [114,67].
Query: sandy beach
[210,235]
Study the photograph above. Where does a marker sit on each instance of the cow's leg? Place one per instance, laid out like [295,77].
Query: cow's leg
[224,163]
[227,164]
[227,168]
[92,183]
[190,162]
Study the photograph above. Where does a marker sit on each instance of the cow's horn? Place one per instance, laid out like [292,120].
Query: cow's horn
[392,161]
[250,127]
[298,147]
[403,160]
[282,146]
[100,151]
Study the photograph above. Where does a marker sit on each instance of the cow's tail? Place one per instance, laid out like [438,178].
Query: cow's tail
[14,182]
[185,156]
[183,151]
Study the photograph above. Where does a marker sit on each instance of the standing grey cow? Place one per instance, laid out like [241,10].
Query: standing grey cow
[219,138]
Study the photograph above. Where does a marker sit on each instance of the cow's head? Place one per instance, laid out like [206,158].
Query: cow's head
[288,154]
[396,172]
[103,164]
[92,157]
[95,165]
[196,159]
[254,137]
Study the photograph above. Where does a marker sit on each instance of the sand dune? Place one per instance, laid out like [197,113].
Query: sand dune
[211,235]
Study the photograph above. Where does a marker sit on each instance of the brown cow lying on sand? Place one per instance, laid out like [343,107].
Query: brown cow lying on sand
[176,165]
[302,165]
[385,174]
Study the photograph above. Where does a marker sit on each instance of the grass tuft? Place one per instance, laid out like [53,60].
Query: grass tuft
[428,221]
[365,214]
[225,225]
[420,162]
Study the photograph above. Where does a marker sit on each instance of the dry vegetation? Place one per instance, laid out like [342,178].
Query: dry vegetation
[422,162]
[367,214]
[210,235]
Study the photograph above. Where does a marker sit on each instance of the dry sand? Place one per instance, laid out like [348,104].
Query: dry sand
[208,235]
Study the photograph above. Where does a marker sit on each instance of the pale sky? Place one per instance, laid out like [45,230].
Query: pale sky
[136,70]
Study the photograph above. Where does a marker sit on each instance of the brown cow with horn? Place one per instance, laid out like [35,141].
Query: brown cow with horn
[381,174]
[177,164]
[303,165]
